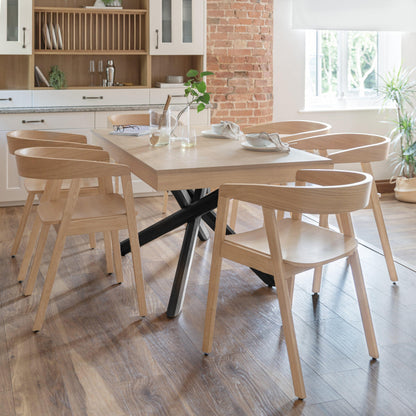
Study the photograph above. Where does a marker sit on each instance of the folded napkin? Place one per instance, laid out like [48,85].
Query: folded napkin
[263,139]
[230,130]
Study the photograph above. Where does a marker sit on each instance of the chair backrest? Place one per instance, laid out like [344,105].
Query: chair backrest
[129,119]
[347,147]
[337,192]
[16,142]
[52,163]
[291,129]
[49,135]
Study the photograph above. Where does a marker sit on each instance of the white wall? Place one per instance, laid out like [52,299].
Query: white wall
[289,85]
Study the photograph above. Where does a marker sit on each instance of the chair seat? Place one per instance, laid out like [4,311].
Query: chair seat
[88,207]
[303,244]
[38,185]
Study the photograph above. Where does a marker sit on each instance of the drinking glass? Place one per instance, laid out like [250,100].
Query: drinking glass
[160,126]
[100,70]
[92,72]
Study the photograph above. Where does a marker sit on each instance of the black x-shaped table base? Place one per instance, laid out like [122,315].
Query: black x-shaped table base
[196,205]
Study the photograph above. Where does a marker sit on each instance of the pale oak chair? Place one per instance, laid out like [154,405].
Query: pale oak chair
[73,214]
[343,148]
[287,247]
[20,139]
[139,120]
[288,130]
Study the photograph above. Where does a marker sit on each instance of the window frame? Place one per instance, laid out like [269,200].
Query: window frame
[388,57]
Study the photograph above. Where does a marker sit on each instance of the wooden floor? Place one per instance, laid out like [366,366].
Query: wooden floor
[96,356]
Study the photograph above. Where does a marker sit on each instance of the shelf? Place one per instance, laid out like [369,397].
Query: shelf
[95,52]
[86,31]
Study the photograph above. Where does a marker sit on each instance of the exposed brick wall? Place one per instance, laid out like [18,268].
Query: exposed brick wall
[239,52]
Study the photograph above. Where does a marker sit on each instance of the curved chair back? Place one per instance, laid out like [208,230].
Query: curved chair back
[15,143]
[48,135]
[129,119]
[69,163]
[291,129]
[347,147]
[338,191]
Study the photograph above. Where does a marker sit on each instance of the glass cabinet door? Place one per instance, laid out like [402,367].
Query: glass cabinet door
[15,27]
[177,27]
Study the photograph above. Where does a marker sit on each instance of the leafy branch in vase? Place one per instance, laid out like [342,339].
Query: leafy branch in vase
[196,92]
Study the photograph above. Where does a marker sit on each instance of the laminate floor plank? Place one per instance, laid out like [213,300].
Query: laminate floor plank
[96,356]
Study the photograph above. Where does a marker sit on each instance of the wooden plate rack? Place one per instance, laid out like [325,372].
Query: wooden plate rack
[86,31]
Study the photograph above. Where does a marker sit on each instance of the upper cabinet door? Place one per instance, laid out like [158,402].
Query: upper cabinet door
[15,27]
[177,27]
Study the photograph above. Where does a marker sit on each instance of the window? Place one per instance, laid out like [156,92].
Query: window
[343,67]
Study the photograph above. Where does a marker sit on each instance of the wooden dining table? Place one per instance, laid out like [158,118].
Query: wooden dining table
[189,173]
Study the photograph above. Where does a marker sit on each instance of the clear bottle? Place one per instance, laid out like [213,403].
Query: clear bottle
[110,71]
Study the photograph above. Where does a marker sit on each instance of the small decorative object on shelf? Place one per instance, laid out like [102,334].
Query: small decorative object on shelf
[57,78]
[112,3]
[196,92]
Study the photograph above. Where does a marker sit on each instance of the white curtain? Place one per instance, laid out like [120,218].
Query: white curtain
[377,15]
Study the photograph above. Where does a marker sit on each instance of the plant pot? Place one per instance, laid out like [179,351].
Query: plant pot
[405,189]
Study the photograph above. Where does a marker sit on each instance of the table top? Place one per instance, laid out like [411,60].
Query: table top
[209,164]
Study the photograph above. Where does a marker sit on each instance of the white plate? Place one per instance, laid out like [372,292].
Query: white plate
[212,135]
[46,37]
[41,76]
[53,36]
[59,36]
[269,148]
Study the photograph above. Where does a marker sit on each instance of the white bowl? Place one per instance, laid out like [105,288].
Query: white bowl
[174,79]
[217,128]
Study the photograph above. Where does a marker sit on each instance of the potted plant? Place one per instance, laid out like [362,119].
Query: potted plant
[56,78]
[399,89]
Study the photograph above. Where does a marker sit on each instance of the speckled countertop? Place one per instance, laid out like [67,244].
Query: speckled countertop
[23,110]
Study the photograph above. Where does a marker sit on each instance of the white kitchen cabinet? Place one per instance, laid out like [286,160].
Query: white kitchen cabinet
[15,27]
[177,27]
[12,191]
[15,98]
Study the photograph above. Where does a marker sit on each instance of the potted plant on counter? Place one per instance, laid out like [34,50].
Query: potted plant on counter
[399,89]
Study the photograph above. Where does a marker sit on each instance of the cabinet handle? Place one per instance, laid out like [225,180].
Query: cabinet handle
[33,121]
[157,39]
[92,98]
[178,96]
[24,37]
[6,99]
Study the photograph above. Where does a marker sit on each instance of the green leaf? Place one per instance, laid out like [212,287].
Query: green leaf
[200,107]
[201,87]
[206,73]
[192,73]
[205,98]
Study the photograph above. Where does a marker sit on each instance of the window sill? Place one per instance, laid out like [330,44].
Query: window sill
[339,109]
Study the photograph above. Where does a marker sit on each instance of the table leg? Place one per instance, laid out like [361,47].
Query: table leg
[184,199]
[183,269]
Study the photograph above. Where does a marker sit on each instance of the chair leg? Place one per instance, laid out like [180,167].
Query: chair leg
[108,252]
[49,280]
[117,256]
[363,303]
[291,287]
[37,259]
[234,213]
[23,221]
[165,202]
[317,273]
[93,241]
[290,336]
[134,244]
[29,249]
[382,232]
[214,283]
[280,215]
